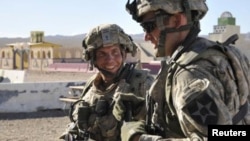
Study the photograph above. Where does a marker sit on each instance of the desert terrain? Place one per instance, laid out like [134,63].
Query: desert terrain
[43,125]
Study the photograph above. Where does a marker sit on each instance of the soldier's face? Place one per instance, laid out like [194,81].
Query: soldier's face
[109,58]
[153,33]
[149,26]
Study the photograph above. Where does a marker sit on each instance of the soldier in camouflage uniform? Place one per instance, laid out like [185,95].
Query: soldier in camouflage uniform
[201,83]
[106,47]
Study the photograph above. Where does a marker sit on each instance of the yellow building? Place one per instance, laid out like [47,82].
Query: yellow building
[36,54]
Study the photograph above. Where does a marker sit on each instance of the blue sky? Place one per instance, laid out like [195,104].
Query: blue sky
[72,17]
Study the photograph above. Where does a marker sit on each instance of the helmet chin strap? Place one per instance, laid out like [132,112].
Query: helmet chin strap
[160,23]
[162,38]
[192,35]
[161,44]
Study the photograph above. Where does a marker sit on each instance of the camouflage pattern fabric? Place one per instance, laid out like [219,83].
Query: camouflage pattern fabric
[106,127]
[106,35]
[137,8]
[170,6]
[203,87]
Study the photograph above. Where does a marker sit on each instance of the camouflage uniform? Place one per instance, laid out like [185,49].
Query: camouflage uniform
[106,127]
[200,89]
[92,114]
[203,82]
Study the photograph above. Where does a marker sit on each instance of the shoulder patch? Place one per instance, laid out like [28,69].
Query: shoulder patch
[203,110]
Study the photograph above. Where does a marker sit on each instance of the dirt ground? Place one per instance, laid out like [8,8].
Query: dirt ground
[35,126]
[42,125]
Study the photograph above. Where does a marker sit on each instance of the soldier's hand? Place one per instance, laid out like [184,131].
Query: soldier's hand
[121,99]
[132,130]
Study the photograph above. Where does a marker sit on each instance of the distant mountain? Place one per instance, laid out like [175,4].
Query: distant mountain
[72,41]
[65,41]
[4,41]
[247,35]
[138,37]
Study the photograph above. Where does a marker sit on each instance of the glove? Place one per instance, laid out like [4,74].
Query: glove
[122,100]
[130,129]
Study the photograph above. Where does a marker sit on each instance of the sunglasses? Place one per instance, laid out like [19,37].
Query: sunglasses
[148,26]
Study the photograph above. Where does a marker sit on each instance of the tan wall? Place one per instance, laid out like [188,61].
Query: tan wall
[6,56]
[7,63]
[40,64]
[221,37]
[41,57]
[70,52]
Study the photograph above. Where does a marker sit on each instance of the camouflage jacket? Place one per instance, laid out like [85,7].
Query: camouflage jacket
[206,84]
[104,127]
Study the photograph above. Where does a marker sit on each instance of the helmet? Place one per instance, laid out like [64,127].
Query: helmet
[139,7]
[105,35]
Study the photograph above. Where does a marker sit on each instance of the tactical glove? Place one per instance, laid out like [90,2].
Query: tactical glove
[121,104]
[124,101]
[132,128]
